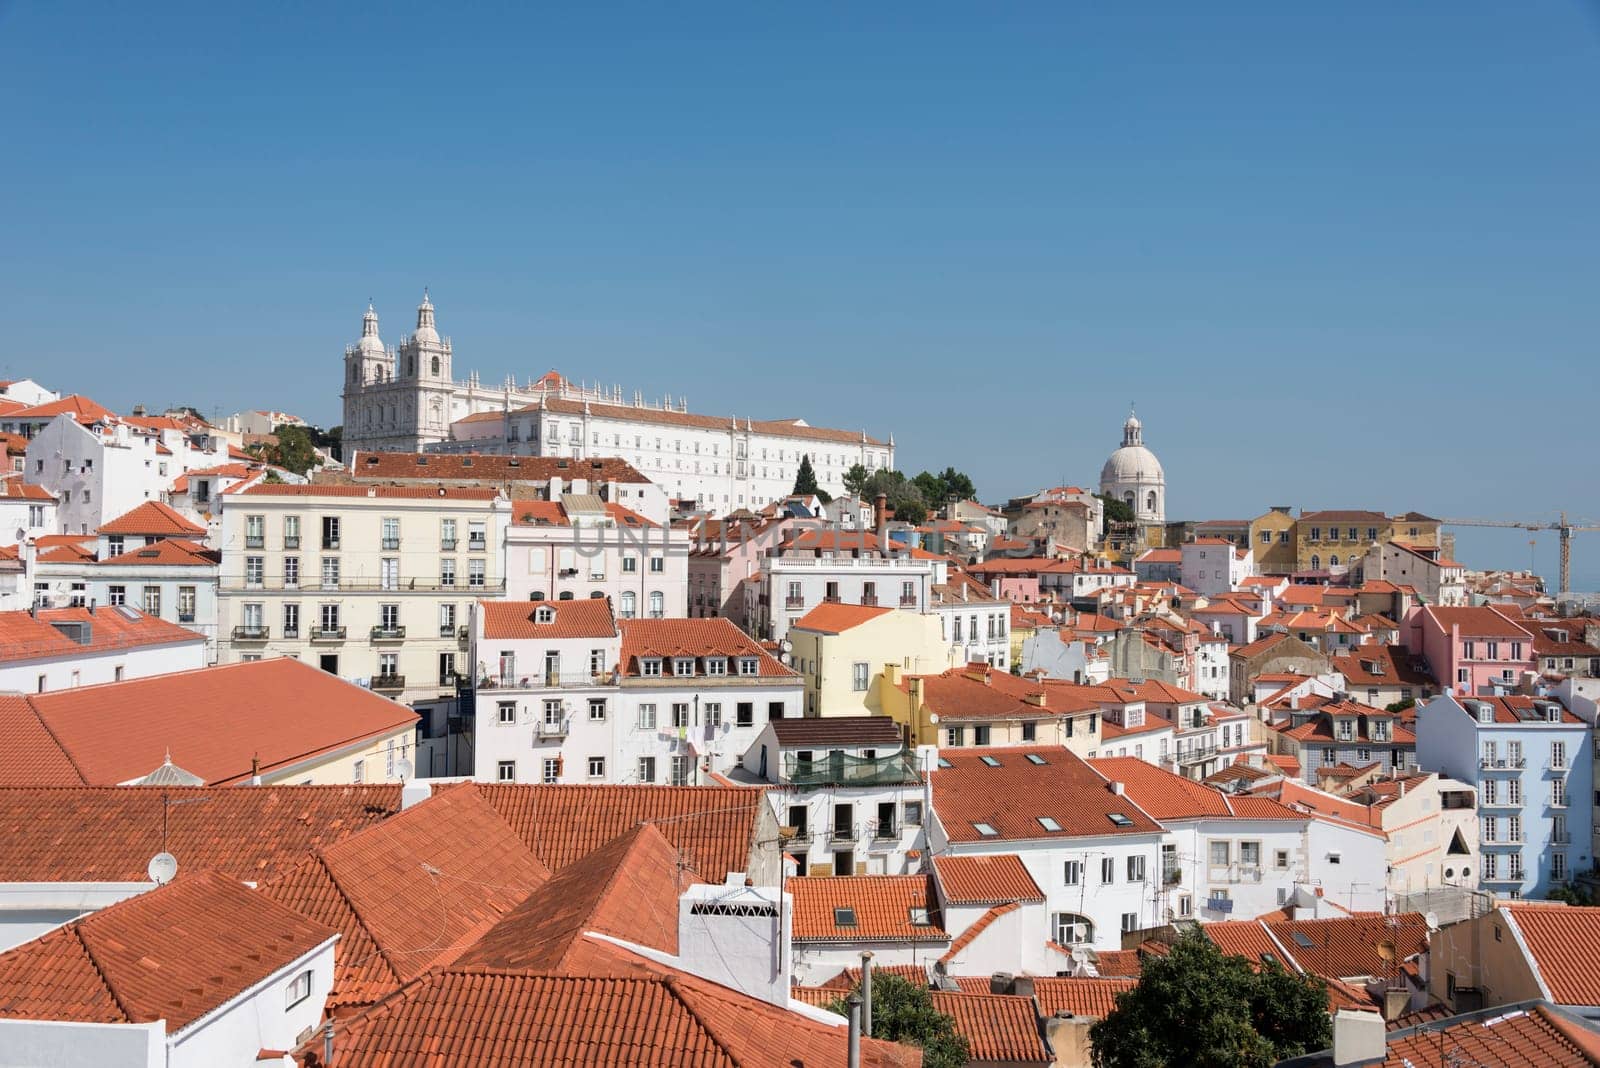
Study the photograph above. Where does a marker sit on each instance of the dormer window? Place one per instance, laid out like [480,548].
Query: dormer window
[716,665]
[748,665]
[650,667]
[683,665]
[1347,729]
[544,615]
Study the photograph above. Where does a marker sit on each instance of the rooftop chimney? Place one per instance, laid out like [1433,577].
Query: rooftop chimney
[1115,787]
[853,1057]
[1358,1037]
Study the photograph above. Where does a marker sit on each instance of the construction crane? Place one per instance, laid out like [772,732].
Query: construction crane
[1564,532]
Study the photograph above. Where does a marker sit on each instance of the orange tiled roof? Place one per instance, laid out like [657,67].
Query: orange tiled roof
[1013,796]
[712,826]
[175,954]
[998,1027]
[987,879]
[211,722]
[153,517]
[1561,941]
[412,891]
[1168,796]
[1480,622]
[668,638]
[1532,1037]
[328,489]
[1118,962]
[836,618]
[13,487]
[79,407]
[490,468]
[34,635]
[107,834]
[588,618]
[881,906]
[1094,997]
[980,692]
[789,428]
[168,552]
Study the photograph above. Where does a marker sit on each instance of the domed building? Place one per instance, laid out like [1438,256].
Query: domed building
[1133,475]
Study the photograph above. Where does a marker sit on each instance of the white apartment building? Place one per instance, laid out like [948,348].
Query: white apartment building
[975,623]
[26,511]
[566,693]
[27,391]
[406,399]
[1214,566]
[371,583]
[848,791]
[817,566]
[581,547]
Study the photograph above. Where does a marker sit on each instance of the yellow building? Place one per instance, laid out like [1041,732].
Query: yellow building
[841,651]
[1025,623]
[1334,539]
[1272,538]
[979,706]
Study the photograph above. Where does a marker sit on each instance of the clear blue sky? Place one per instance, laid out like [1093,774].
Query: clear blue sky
[1342,255]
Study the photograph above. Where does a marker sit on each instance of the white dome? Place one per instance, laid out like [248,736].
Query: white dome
[1132,464]
[371,343]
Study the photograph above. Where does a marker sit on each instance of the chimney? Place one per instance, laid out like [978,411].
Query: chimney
[327,1043]
[1035,699]
[1395,1002]
[414,792]
[853,1054]
[866,992]
[1358,1037]
[880,512]
[255,770]
[1115,787]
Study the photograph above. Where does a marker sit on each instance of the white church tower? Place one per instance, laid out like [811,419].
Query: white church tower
[425,369]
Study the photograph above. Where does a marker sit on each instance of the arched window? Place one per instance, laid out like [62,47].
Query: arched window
[1333,560]
[658,605]
[1150,502]
[1127,498]
[1316,561]
[411,366]
[436,365]
[1072,929]
[628,604]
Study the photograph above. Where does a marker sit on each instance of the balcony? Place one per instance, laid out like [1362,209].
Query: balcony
[794,602]
[291,541]
[841,835]
[476,545]
[1196,753]
[548,729]
[388,682]
[1557,767]
[799,836]
[545,680]
[291,632]
[256,541]
[327,634]
[870,600]
[1561,838]
[250,634]
[908,600]
[447,545]
[447,630]
[884,832]
[843,769]
[1500,763]
[365,585]
[381,633]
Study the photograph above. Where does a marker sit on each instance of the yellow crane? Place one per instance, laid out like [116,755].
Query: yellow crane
[1564,532]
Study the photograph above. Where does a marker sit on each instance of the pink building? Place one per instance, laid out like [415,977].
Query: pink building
[1014,578]
[1468,649]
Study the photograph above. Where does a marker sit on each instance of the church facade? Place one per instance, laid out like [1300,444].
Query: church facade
[406,399]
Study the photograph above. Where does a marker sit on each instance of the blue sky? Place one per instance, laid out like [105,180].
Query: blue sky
[1341,255]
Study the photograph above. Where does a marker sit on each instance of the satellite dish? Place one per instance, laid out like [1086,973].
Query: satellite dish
[1386,950]
[403,769]
[1432,920]
[786,659]
[162,868]
[786,645]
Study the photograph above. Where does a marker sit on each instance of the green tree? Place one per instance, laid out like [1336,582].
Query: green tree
[855,480]
[1400,706]
[1116,511]
[903,1012]
[1197,1007]
[805,481]
[932,489]
[295,450]
[958,485]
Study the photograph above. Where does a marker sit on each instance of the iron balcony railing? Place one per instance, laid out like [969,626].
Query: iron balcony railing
[383,633]
[388,682]
[397,585]
[250,634]
[327,634]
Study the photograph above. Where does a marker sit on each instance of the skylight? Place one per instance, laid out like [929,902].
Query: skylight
[1119,819]
[919,917]
[985,829]
[844,917]
[1302,941]
[1049,823]
[1035,758]
[990,761]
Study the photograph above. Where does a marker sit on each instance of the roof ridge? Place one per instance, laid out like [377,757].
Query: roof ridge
[99,970]
[319,856]
[981,924]
[65,752]
[674,986]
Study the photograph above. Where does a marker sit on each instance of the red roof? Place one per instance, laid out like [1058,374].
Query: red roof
[438,467]
[412,891]
[168,552]
[988,879]
[211,722]
[79,407]
[880,907]
[665,639]
[1094,997]
[1168,796]
[1015,795]
[174,954]
[328,489]
[1480,622]
[713,827]
[107,834]
[980,692]
[999,1028]
[153,517]
[13,487]
[548,620]
[1535,1037]
[35,635]
[1561,941]
[836,618]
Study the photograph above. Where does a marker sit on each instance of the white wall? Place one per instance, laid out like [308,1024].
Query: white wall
[53,1044]
[90,668]
[260,1018]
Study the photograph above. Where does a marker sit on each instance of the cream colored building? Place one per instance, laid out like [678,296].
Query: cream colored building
[976,705]
[371,583]
[841,650]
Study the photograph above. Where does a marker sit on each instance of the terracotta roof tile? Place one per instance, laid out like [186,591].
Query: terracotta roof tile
[1094,997]
[1477,622]
[836,618]
[837,731]
[880,905]
[79,407]
[14,487]
[436,467]
[987,879]
[668,638]
[1561,941]
[328,489]
[997,1027]
[1531,1037]
[28,636]
[153,517]
[168,552]
[1113,963]
[713,826]
[175,954]
[1016,794]
[211,721]
[588,618]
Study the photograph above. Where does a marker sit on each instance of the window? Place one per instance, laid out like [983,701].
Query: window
[255,568]
[1513,791]
[291,620]
[713,712]
[1250,854]
[1130,922]
[980,734]
[1072,872]
[745,714]
[716,665]
[475,572]
[1558,755]
[1108,870]
[1558,793]
[1221,854]
[551,772]
[1558,865]
[680,714]
[330,617]
[152,600]
[330,532]
[117,595]
[330,572]
[658,605]
[447,535]
[447,571]
[647,717]
[1072,929]
[955,736]
[626,609]
[630,564]
[680,771]
[597,709]
[476,537]
[391,533]
[858,680]
[389,618]
[359,772]
[913,814]
[647,769]
[298,990]
[1135,870]
[508,711]
[748,665]
[1030,731]
[597,767]
[658,564]
[505,771]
